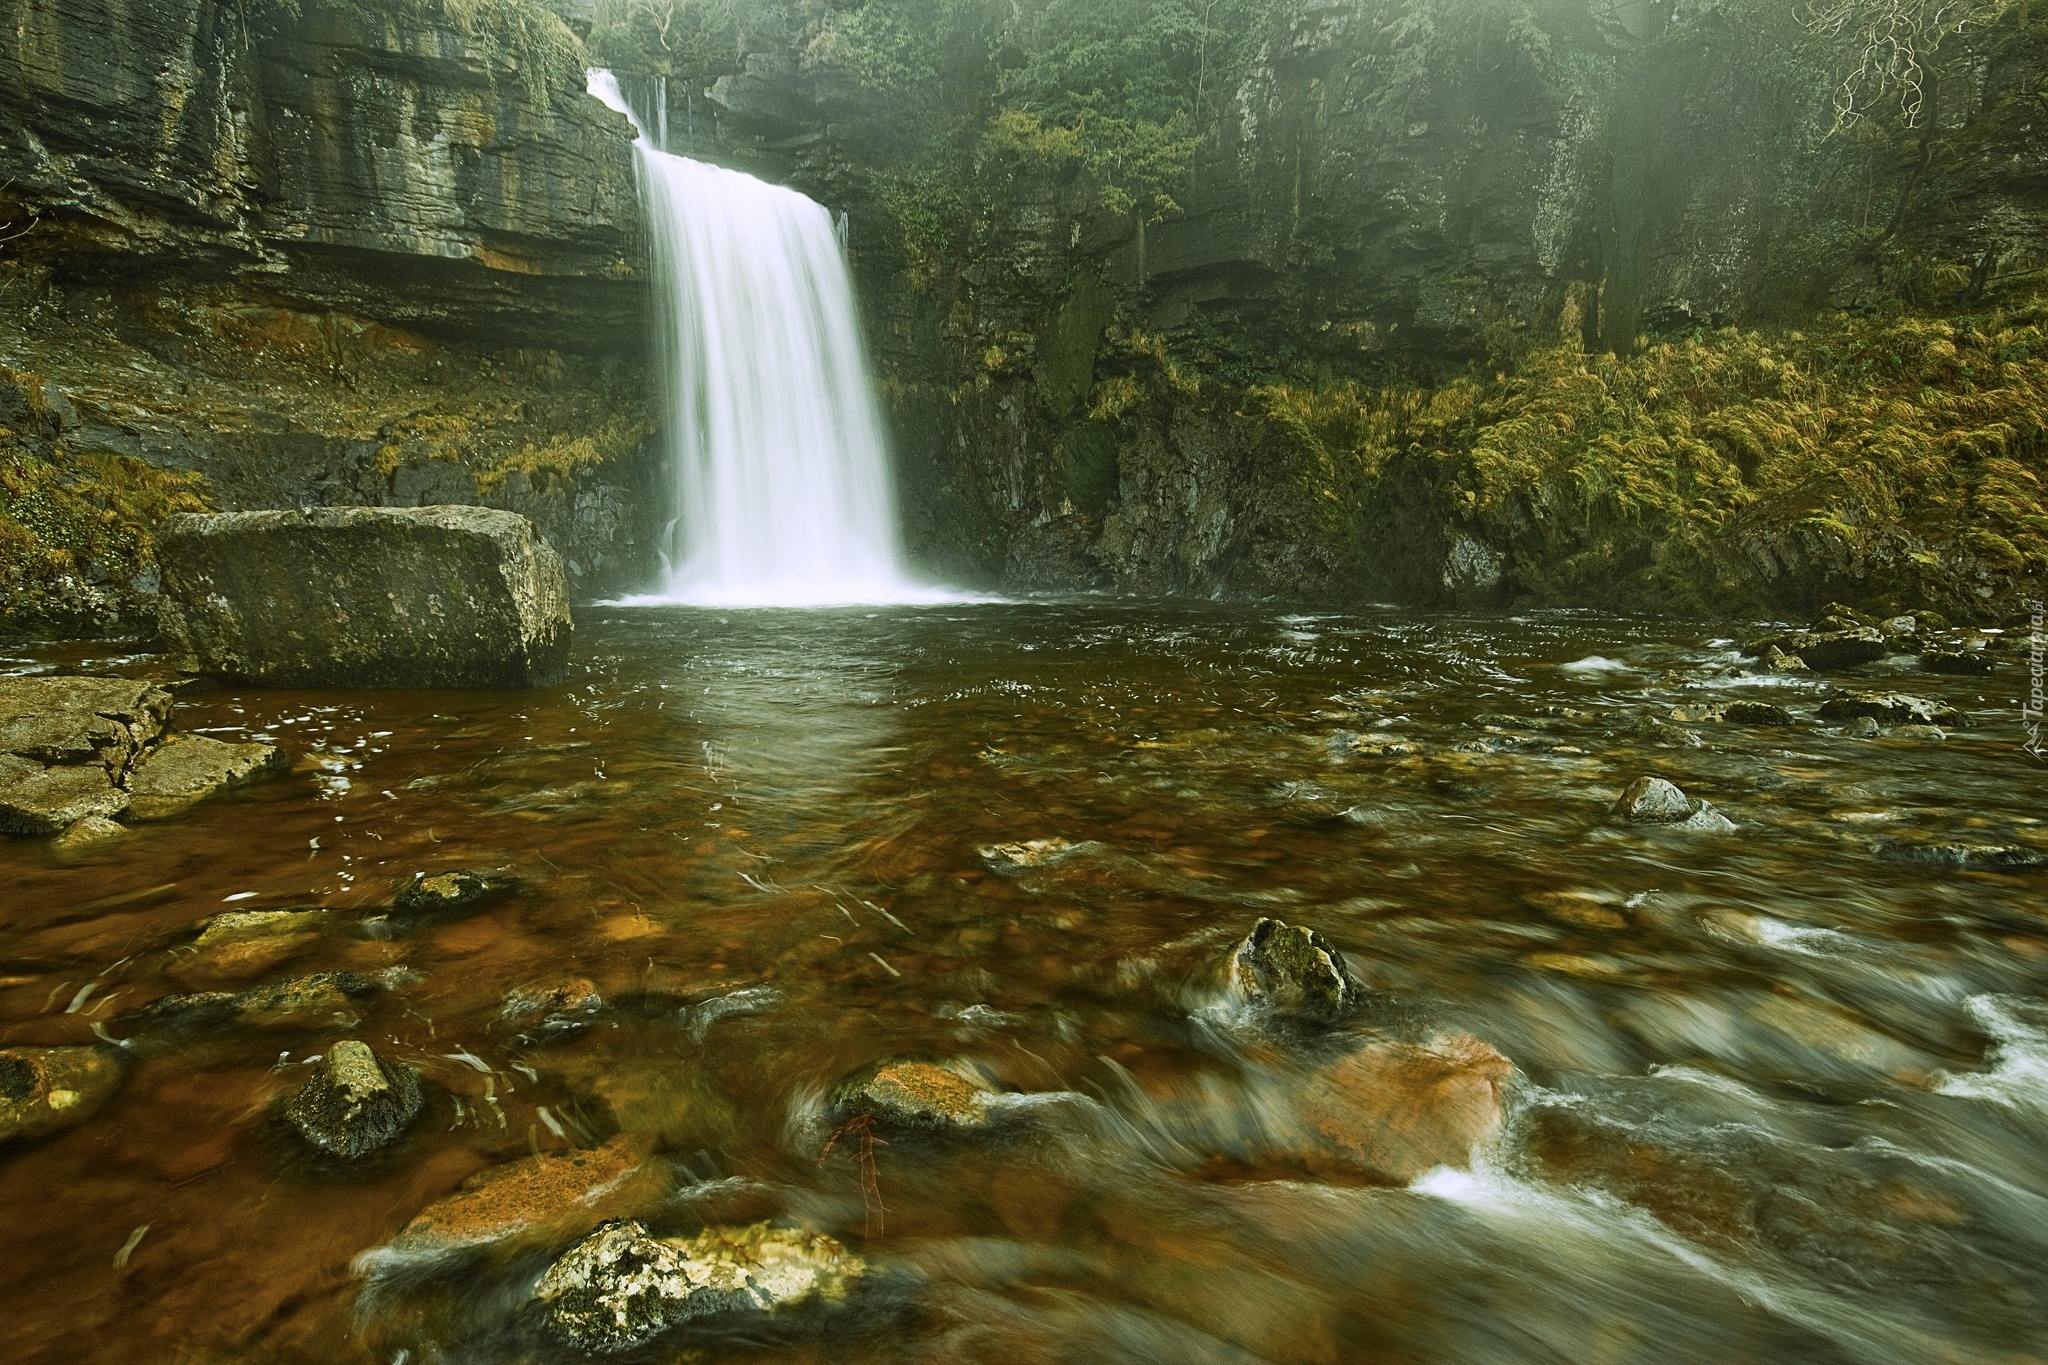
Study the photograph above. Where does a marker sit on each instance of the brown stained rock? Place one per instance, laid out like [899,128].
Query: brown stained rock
[245,943]
[570,995]
[1395,1110]
[240,959]
[57,798]
[559,1195]
[93,832]
[45,1090]
[236,926]
[918,1095]
[1737,1192]
[180,774]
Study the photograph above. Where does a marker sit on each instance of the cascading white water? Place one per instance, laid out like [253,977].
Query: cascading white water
[782,470]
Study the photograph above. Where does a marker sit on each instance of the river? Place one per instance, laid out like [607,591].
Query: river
[1780,1092]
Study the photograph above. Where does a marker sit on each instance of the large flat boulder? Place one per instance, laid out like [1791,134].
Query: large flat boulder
[368,597]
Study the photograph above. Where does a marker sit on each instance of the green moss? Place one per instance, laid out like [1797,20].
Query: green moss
[1088,461]
[562,459]
[67,514]
[1066,355]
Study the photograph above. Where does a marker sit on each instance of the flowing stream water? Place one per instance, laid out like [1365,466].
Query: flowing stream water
[782,480]
[1780,1093]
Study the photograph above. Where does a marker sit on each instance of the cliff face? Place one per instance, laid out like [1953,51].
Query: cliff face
[404,167]
[336,256]
[1399,199]
[1441,313]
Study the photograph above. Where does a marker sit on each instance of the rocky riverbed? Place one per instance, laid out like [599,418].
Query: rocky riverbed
[1020,981]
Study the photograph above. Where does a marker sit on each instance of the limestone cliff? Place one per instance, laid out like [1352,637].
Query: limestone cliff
[329,253]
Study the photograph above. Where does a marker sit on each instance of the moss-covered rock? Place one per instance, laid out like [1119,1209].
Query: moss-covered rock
[355,1102]
[45,1090]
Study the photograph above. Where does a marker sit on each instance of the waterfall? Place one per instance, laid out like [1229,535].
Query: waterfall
[781,471]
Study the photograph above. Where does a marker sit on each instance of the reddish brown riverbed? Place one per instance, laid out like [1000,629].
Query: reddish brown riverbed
[1780,1097]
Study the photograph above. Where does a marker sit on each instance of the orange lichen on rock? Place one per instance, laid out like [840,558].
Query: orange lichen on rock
[1397,1109]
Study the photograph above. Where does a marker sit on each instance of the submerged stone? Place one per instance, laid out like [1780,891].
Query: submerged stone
[1293,970]
[1662,731]
[1965,857]
[321,1000]
[180,774]
[93,832]
[237,926]
[1757,713]
[451,893]
[1396,1110]
[355,1102]
[45,1090]
[367,597]
[914,1094]
[621,1286]
[1034,853]
[563,1193]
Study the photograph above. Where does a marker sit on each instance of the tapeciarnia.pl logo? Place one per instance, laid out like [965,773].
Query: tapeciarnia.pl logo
[2031,704]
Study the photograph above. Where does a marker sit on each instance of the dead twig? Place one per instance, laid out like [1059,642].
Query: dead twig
[863,1127]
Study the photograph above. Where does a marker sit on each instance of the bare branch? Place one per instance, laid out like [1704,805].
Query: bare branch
[1890,44]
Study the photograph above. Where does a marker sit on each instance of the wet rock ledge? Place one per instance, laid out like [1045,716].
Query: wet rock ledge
[80,755]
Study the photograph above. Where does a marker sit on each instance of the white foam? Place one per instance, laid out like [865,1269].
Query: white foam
[2019,1057]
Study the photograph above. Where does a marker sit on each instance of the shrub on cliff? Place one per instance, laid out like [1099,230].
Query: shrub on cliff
[1902,459]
